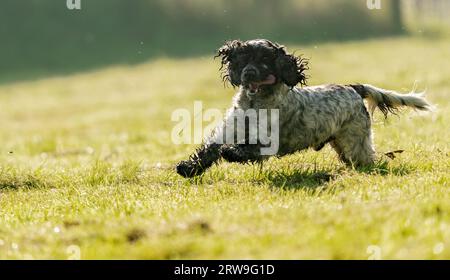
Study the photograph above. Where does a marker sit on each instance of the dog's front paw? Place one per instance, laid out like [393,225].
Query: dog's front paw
[189,169]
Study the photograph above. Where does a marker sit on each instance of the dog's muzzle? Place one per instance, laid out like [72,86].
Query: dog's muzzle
[249,74]
[252,80]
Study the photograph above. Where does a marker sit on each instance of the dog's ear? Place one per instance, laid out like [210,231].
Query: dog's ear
[291,69]
[226,53]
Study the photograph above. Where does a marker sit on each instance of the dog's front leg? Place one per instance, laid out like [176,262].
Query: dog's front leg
[209,152]
[202,159]
[241,153]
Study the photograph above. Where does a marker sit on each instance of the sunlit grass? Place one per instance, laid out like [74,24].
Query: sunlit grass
[87,160]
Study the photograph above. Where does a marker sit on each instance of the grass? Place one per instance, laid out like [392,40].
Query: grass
[86,168]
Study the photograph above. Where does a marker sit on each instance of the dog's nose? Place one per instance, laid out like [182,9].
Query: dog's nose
[249,73]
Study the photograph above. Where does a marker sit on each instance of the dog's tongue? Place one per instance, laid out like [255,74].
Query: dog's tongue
[253,86]
[268,81]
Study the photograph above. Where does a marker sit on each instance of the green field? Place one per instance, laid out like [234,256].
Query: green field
[86,168]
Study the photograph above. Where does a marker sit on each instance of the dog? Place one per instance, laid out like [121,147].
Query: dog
[309,116]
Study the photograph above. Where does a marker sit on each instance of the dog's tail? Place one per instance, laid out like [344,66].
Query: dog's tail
[390,101]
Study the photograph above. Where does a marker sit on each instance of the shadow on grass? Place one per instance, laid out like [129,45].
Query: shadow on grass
[42,39]
[296,179]
[15,180]
[383,168]
[312,179]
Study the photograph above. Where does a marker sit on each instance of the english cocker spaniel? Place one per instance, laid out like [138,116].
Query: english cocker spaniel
[306,116]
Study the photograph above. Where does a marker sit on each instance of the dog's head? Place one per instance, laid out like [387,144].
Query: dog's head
[260,64]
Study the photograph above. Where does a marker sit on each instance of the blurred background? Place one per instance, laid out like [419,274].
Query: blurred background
[43,37]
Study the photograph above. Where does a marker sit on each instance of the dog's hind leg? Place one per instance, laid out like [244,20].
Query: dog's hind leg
[354,151]
[353,142]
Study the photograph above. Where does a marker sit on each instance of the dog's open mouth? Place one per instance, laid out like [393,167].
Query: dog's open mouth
[254,87]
